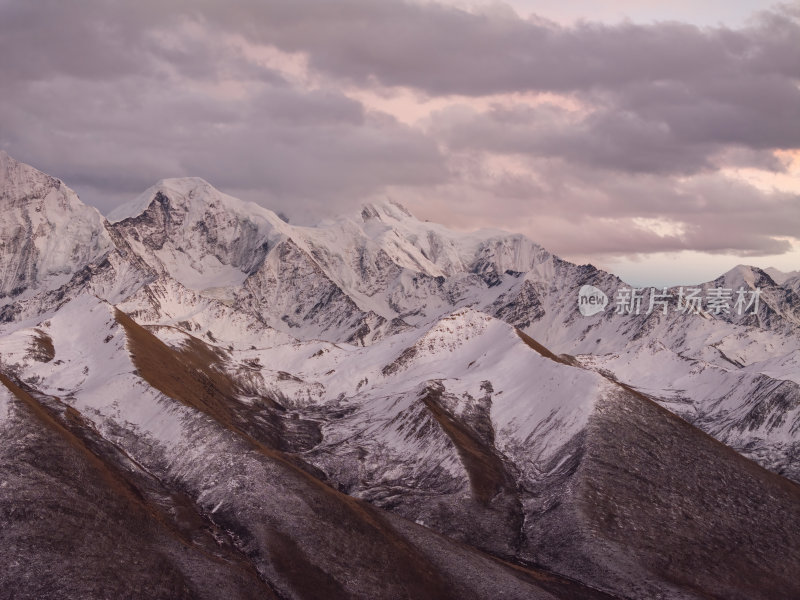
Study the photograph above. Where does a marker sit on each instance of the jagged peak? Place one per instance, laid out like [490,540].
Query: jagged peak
[7,160]
[383,209]
[175,188]
[189,187]
[193,195]
[48,233]
[9,165]
[746,275]
[20,181]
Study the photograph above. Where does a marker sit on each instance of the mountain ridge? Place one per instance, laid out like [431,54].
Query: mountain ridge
[377,401]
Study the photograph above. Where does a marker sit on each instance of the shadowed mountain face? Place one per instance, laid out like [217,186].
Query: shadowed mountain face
[80,519]
[207,402]
[654,495]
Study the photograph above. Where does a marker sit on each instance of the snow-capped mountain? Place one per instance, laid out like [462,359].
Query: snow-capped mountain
[217,403]
[781,277]
[46,234]
[381,271]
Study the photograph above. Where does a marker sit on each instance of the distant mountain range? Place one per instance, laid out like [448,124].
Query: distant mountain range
[200,400]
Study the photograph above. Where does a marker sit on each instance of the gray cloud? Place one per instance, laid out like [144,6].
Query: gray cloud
[609,138]
[112,96]
[283,146]
[605,138]
[442,50]
[599,212]
[671,95]
[113,104]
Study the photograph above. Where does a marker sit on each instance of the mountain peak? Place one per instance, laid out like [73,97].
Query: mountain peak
[746,276]
[176,188]
[781,277]
[385,209]
[20,182]
[6,159]
[200,236]
[47,233]
[194,196]
[186,185]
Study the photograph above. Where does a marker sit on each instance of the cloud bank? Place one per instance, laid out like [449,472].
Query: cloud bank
[595,139]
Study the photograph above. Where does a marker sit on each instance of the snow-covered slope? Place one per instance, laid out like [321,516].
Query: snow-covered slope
[202,238]
[308,405]
[469,428]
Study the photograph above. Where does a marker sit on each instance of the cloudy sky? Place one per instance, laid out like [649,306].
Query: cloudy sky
[660,140]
